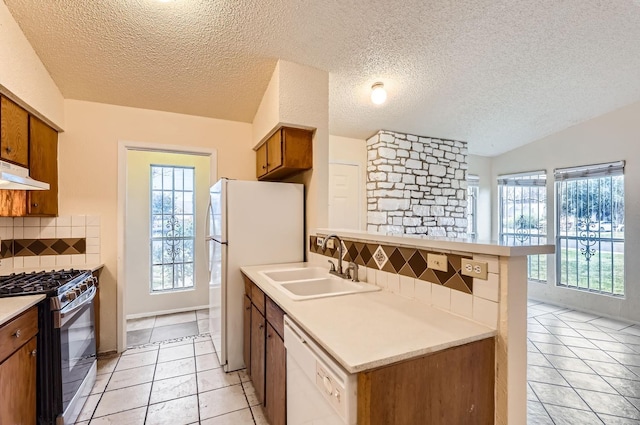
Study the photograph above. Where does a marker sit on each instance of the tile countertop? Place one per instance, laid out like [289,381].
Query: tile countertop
[10,307]
[369,330]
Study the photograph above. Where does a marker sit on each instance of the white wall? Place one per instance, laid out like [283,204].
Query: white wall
[299,95]
[139,301]
[345,150]
[610,137]
[23,77]
[481,167]
[88,170]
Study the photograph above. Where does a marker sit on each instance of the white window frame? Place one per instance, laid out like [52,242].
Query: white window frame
[175,244]
[473,189]
[594,233]
[522,233]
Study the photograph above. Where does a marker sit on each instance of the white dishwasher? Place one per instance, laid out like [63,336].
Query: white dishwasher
[319,390]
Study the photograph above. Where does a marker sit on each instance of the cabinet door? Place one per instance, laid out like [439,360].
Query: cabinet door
[43,150]
[14,137]
[257,352]
[274,151]
[246,349]
[18,386]
[261,161]
[276,380]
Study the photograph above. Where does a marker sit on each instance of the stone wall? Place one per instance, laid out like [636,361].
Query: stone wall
[416,185]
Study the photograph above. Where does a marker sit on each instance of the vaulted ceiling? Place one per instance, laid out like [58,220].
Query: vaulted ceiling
[498,74]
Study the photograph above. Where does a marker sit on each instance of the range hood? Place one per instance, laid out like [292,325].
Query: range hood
[14,177]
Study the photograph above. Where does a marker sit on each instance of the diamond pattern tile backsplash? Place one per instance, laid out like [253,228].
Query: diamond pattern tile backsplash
[56,242]
[411,262]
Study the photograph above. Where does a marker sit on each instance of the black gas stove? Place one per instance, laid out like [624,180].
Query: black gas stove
[66,339]
[66,285]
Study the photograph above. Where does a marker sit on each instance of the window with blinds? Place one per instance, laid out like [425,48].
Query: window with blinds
[522,215]
[590,227]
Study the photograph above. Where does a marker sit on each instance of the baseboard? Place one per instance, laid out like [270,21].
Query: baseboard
[162,312]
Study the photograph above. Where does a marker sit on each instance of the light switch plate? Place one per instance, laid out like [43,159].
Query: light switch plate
[477,269]
[319,240]
[437,262]
[331,243]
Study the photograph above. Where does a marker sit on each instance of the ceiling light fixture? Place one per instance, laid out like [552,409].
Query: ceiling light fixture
[378,93]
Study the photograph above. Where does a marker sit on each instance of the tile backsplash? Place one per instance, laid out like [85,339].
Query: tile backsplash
[64,241]
[403,270]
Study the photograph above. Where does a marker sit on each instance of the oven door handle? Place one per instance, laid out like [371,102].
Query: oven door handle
[63,316]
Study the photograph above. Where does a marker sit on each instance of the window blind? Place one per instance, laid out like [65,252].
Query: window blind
[532,178]
[587,171]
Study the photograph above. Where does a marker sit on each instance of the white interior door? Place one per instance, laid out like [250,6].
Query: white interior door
[344,196]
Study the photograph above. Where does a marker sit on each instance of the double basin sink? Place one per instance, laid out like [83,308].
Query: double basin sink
[303,283]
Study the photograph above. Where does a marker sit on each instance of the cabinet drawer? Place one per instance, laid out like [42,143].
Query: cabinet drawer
[17,332]
[257,297]
[275,316]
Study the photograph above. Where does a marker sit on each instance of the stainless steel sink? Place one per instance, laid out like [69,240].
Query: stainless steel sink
[314,282]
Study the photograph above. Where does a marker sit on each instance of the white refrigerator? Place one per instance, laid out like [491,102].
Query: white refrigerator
[249,223]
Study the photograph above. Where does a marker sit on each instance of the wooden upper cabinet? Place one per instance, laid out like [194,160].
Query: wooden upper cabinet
[274,151]
[43,149]
[261,161]
[14,133]
[288,151]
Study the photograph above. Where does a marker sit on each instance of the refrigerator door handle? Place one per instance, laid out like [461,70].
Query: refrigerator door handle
[209,217]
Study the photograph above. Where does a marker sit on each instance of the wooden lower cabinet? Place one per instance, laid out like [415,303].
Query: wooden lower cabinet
[454,386]
[264,352]
[257,361]
[18,369]
[276,379]
[246,337]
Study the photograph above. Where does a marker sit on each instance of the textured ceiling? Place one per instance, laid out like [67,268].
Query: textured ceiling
[497,74]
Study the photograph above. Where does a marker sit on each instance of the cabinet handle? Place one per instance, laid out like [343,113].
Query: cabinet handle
[248,308]
[35,205]
[264,166]
[9,149]
[33,353]
[269,335]
[260,326]
[17,333]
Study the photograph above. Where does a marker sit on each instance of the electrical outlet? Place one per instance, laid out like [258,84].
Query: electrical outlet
[331,243]
[477,269]
[437,262]
[319,240]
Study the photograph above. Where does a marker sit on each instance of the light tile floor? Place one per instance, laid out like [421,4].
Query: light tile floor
[582,369]
[177,382]
[170,375]
[165,327]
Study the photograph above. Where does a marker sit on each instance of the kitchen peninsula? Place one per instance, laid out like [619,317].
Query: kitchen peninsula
[400,264]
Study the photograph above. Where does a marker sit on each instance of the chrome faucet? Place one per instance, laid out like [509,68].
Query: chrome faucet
[324,246]
[352,268]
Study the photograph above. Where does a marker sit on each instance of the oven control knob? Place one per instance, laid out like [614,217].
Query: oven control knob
[83,287]
[89,282]
[78,291]
[71,295]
